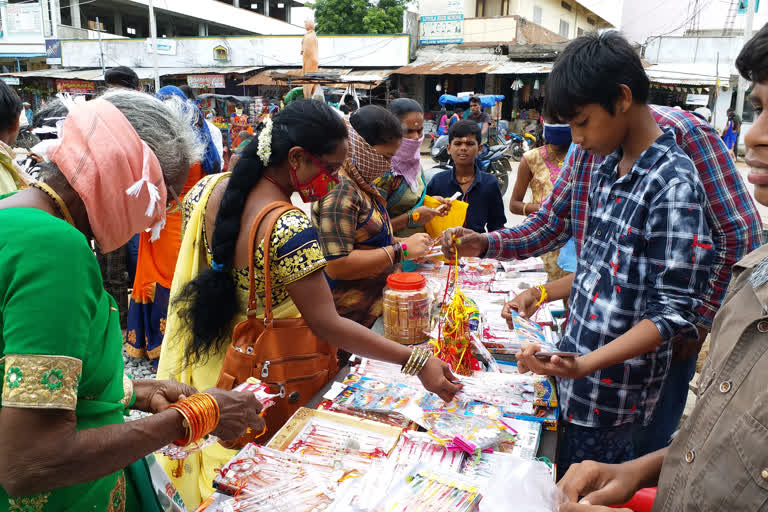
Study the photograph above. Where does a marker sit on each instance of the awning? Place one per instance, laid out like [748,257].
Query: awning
[95,75]
[266,76]
[688,74]
[496,67]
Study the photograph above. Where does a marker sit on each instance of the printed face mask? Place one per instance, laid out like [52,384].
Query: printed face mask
[318,186]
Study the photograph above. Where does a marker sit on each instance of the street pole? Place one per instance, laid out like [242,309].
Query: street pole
[101,49]
[747,36]
[153,35]
[717,89]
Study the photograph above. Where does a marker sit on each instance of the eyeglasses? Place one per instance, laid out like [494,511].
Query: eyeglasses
[330,169]
[175,205]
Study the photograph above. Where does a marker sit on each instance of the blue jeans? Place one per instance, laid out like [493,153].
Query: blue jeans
[610,445]
[669,410]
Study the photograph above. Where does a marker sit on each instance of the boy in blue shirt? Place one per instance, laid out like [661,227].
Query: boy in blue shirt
[644,262]
[478,188]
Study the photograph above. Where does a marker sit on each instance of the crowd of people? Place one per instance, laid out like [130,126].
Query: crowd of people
[667,245]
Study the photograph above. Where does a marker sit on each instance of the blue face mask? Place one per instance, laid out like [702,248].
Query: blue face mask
[557,134]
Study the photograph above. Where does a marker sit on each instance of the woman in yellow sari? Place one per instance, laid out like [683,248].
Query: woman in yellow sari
[298,152]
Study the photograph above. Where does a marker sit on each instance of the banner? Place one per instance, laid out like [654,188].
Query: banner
[206,81]
[75,86]
[24,18]
[53,51]
[164,46]
[10,80]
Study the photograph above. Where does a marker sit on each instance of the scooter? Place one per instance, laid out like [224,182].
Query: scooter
[495,160]
[520,145]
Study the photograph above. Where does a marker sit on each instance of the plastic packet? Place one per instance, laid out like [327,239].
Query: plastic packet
[526,483]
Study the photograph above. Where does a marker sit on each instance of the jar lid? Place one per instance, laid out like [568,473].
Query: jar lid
[406,281]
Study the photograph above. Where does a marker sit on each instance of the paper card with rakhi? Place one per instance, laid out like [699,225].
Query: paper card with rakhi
[528,331]
[373,395]
[459,432]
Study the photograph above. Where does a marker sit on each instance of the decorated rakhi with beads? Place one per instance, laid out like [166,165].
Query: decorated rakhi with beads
[453,344]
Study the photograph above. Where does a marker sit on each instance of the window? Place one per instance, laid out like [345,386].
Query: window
[131,31]
[566,6]
[480,9]
[565,28]
[591,21]
[537,14]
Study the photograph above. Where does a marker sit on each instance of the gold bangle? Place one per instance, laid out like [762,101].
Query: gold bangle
[422,362]
[407,366]
[525,205]
[391,261]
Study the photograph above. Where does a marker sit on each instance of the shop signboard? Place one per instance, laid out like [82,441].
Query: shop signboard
[75,86]
[164,47]
[10,80]
[441,29]
[53,51]
[23,18]
[437,7]
[203,81]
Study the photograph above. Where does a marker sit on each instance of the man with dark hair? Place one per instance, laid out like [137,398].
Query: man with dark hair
[717,460]
[477,115]
[188,92]
[644,261]
[10,121]
[123,77]
[731,214]
[478,188]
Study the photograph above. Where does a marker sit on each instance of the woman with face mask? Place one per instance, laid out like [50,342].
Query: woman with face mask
[356,234]
[63,441]
[539,169]
[300,151]
[404,186]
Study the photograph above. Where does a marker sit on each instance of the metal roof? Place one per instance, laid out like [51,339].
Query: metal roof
[371,77]
[687,73]
[496,67]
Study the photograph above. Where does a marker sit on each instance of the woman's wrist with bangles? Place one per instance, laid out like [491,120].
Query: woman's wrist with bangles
[543,295]
[201,416]
[525,205]
[417,360]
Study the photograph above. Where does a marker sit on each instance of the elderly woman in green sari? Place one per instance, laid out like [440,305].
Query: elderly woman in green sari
[63,442]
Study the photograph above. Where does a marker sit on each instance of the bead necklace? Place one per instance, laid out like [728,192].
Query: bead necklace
[58,201]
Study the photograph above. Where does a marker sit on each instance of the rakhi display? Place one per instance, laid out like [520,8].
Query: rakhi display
[425,490]
[453,344]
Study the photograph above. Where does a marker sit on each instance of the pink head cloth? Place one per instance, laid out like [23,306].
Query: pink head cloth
[108,165]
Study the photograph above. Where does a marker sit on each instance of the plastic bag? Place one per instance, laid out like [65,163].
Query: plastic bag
[526,483]
[455,218]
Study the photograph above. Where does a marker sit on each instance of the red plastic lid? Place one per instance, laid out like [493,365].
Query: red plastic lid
[406,281]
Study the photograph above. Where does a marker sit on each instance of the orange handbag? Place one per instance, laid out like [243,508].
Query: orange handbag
[282,352]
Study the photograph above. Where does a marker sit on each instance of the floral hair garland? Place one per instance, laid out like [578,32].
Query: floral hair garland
[265,141]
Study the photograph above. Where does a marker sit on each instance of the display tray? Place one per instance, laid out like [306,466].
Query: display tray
[301,418]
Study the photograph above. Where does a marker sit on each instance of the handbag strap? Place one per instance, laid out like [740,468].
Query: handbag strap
[281,207]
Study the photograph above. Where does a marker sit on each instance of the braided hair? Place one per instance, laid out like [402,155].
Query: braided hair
[208,303]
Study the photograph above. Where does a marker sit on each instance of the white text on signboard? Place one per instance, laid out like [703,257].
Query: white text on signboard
[206,81]
[441,29]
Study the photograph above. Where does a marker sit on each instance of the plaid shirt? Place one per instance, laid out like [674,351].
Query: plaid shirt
[731,214]
[646,254]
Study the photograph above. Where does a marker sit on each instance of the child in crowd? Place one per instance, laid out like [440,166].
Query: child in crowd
[644,262]
[717,460]
[478,188]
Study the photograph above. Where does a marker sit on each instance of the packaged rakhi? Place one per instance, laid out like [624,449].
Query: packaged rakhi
[471,434]
[424,489]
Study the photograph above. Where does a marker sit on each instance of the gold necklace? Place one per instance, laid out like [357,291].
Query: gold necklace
[465,181]
[558,160]
[58,201]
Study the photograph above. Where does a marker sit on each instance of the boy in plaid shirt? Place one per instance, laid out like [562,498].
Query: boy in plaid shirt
[645,260]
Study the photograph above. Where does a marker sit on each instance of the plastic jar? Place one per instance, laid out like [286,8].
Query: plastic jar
[406,308]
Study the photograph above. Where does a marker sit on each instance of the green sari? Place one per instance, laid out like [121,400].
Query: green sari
[61,346]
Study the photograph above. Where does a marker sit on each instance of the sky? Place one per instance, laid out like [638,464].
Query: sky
[646,18]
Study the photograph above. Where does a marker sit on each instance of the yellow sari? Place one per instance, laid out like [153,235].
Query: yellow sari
[294,256]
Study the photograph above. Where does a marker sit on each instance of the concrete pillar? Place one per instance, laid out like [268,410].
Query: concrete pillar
[236,3]
[288,11]
[202,29]
[74,10]
[266,7]
[118,23]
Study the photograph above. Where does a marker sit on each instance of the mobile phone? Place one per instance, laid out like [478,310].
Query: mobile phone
[546,354]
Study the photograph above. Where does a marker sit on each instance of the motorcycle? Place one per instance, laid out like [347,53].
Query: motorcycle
[519,145]
[495,160]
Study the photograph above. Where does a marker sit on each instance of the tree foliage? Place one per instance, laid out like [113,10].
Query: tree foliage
[359,16]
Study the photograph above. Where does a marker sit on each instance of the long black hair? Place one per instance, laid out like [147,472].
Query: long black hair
[402,106]
[208,303]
